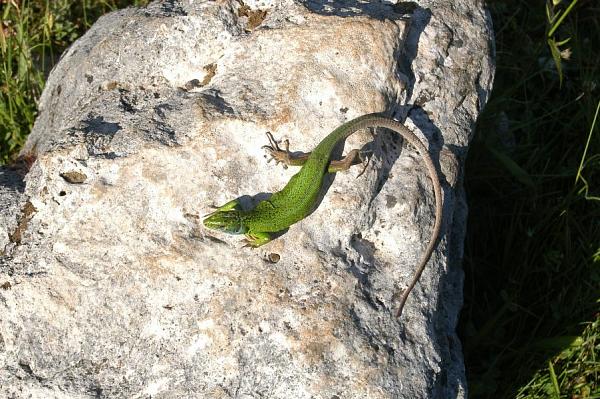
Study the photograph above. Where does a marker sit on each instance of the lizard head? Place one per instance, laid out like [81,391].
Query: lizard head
[228,221]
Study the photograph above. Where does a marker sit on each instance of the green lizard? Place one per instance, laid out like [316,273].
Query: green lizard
[299,197]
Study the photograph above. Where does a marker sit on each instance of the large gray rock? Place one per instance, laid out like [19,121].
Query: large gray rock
[111,288]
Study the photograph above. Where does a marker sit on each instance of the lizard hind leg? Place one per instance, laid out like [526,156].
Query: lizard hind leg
[354,157]
[283,156]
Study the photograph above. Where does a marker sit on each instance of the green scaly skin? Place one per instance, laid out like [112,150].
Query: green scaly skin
[299,197]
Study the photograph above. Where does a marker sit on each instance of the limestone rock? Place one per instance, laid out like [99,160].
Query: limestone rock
[110,287]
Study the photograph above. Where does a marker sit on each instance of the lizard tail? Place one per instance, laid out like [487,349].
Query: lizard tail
[373,120]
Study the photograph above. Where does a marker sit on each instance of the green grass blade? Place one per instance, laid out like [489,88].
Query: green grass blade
[554,380]
[562,18]
[587,144]
[515,170]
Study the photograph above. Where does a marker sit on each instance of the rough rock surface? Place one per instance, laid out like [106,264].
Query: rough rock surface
[111,288]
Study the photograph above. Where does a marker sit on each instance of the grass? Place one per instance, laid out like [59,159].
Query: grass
[531,320]
[532,286]
[33,34]
[570,374]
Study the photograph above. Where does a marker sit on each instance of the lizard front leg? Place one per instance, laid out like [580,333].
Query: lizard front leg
[255,239]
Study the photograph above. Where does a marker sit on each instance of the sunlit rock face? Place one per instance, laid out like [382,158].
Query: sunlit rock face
[110,287]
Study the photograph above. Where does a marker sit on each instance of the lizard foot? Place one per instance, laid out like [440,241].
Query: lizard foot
[362,157]
[276,153]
